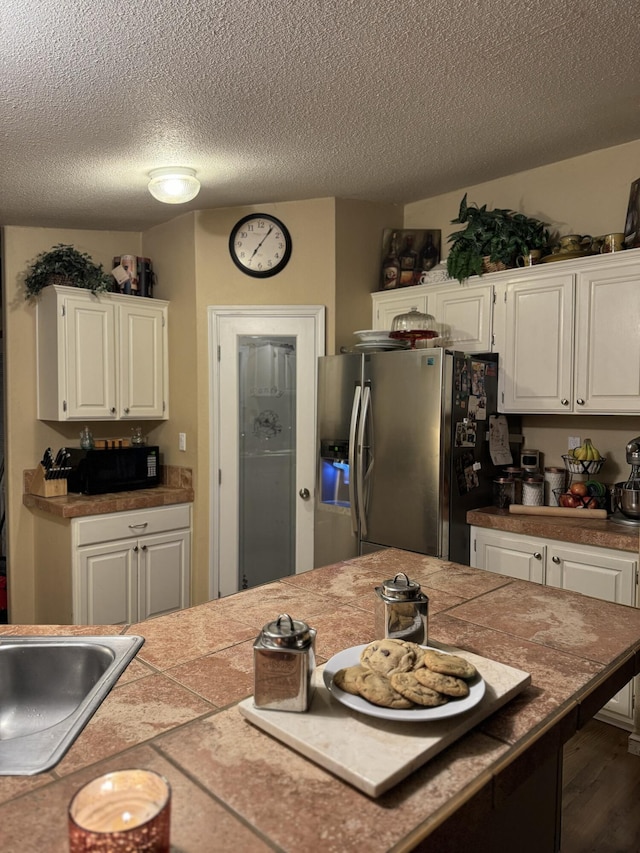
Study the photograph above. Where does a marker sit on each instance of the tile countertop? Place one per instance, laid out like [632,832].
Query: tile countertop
[176,488]
[235,788]
[600,532]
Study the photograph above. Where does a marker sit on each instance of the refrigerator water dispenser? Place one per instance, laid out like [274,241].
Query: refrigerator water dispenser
[334,472]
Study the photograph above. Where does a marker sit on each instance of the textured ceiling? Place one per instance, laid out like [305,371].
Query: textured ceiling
[272,100]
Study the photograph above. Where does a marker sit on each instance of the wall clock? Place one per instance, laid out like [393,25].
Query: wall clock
[260,245]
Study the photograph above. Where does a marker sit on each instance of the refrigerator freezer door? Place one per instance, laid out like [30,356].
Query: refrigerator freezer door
[406,484]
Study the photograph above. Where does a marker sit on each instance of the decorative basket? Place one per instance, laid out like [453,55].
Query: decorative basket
[583,466]
[492,266]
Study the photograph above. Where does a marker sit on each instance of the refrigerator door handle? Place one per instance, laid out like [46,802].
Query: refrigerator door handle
[353,429]
[365,455]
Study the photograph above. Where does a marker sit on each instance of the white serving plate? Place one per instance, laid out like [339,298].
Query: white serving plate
[351,657]
[373,335]
[381,346]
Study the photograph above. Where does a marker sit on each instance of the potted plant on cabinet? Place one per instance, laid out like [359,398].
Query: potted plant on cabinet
[63,264]
[492,240]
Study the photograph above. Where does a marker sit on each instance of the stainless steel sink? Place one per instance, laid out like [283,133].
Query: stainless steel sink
[50,687]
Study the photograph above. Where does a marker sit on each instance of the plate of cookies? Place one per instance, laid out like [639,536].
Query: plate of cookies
[398,680]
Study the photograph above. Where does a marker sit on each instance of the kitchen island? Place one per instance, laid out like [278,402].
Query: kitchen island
[235,788]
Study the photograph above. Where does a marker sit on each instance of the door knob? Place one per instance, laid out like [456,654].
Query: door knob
[305,494]
[564,401]
[537,555]
[580,401]
[556,560]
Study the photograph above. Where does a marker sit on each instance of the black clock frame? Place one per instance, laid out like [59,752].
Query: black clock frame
[285,257]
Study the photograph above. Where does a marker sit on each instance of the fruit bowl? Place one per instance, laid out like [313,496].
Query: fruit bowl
[583,466]
[569,500]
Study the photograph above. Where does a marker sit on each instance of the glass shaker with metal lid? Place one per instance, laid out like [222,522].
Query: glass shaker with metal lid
[401,610]
[283,664]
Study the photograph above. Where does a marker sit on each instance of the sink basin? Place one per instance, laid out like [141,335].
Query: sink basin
[50,687]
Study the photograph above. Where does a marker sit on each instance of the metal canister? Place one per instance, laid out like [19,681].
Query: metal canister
[402,610]
[283,664]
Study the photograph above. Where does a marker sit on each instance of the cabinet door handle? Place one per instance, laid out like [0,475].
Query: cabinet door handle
[305,494]
[140,526]
[556,560]
[144,547]
[135,549]
[580,401]
[537,555]
[126,411]
[564,401]
[113,410]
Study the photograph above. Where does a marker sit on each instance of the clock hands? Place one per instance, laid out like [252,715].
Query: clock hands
[260,243]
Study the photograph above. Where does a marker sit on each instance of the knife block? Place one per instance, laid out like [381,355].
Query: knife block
[46,488]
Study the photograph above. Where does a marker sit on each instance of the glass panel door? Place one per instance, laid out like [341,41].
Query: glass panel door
[267,458]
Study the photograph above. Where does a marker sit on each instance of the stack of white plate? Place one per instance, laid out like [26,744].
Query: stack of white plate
[375,339]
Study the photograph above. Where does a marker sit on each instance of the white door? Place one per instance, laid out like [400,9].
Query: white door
[263,450]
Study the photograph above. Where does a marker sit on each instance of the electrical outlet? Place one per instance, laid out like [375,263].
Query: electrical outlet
[182,441]
[574,441]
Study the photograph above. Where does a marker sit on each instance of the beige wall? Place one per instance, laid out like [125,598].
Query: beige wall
[359,228]
[26,437]
[584,195]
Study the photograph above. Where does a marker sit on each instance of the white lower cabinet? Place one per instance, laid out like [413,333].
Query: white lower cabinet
[599,572]
[130,566]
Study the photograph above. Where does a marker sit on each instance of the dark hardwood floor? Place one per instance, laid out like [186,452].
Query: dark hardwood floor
[601,792]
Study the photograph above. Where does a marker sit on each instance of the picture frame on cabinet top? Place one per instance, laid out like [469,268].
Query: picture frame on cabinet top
[632,222]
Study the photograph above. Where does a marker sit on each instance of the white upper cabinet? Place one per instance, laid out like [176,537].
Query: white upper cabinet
[569,340]
[536,359]
[101,357]
[389,303]
[463,312]
[607,339]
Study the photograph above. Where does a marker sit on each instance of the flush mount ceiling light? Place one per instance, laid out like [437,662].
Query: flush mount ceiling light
[174,185]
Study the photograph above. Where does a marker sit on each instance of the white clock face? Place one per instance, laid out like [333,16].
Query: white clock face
[260,245]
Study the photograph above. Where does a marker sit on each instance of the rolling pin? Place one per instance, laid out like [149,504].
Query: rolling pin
[562,511]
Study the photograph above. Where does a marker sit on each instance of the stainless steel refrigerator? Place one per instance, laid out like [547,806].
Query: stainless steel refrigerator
[403,451]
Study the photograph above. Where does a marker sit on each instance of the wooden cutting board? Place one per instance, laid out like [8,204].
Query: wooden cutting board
[373,754]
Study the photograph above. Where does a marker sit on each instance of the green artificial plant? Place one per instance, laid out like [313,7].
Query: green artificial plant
[499,235]
[63,264]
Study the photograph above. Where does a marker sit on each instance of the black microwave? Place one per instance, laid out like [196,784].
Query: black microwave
[116,469]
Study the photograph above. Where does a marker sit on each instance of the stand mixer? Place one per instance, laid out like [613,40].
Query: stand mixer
[625,496]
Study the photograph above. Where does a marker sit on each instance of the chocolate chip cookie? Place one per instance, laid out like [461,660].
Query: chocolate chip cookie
[346,678]
[388,656]
[408,685]
[448,664]
[447,684]
[378,690]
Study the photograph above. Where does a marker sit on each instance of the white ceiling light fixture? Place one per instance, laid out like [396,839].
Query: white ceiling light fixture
[174,184]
